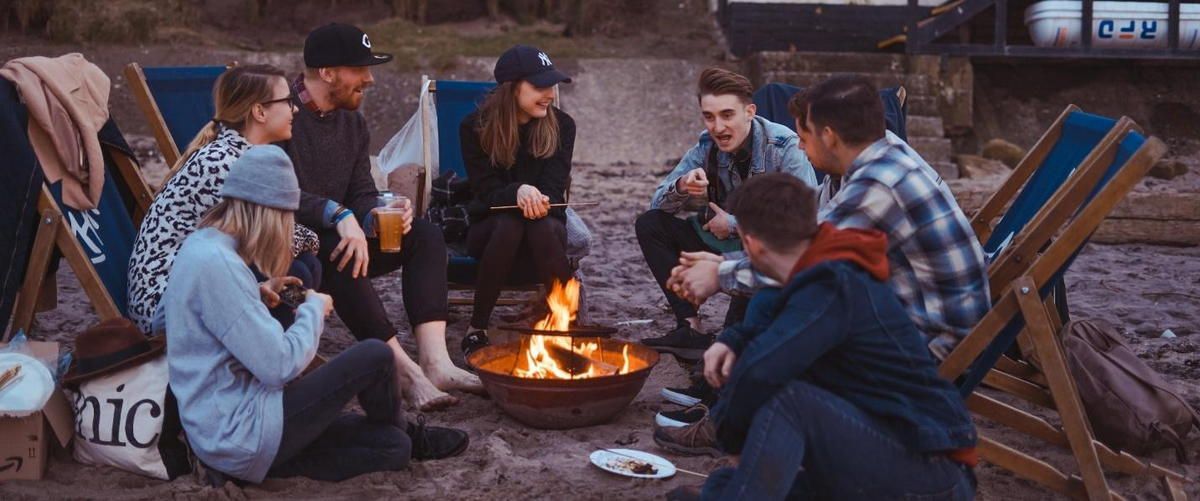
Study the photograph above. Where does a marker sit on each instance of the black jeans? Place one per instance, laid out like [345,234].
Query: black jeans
[512,248]
[423,257]
[321,442]
[662,237]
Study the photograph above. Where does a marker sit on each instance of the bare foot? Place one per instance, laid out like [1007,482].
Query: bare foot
[422,395]
[453,378]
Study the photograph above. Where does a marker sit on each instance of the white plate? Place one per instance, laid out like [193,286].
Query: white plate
[31,390]
[616,460]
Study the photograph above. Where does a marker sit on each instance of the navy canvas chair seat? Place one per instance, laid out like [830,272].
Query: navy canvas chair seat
[771,101]
[177,102]
[1056,197]
[1080,134]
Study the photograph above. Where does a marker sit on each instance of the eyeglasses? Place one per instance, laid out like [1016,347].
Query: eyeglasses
[287,99]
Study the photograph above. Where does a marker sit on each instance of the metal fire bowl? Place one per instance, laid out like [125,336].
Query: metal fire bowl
[559,403]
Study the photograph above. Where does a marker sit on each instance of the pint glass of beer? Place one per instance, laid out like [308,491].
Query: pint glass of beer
[390,221]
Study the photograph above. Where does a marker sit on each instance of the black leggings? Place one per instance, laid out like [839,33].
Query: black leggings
[511,248]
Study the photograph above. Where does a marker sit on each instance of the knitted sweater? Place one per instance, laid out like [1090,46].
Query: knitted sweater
[332,164]
[228,358]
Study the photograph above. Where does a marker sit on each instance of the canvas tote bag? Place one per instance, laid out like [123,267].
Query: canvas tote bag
[129,419]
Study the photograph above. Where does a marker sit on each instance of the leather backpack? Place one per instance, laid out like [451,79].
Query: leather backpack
[1130,406]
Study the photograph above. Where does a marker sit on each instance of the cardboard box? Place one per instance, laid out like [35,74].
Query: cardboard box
[25,441]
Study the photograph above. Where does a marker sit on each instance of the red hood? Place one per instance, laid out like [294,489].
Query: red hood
[866,248]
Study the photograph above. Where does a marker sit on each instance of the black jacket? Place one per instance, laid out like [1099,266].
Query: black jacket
[493,186]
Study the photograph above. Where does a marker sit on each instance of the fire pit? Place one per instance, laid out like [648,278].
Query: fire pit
[561,375]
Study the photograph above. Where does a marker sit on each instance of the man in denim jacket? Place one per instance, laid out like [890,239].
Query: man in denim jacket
[736,146]
[827,388]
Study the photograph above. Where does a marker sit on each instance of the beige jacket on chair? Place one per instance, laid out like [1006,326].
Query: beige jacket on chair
[67,98]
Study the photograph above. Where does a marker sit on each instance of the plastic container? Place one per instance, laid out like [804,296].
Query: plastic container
[1117,25]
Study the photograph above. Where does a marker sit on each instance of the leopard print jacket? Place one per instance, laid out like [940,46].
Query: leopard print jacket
[173,216]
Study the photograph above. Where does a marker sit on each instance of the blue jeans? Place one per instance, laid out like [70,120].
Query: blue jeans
[808,443]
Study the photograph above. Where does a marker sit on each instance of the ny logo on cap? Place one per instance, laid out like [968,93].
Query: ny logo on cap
[366,41]
[545,59]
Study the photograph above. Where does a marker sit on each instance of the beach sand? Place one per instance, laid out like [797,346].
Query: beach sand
[1144,290]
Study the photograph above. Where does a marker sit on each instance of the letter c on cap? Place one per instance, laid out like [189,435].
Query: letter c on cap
[366,41]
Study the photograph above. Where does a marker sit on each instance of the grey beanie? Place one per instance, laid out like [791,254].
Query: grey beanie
[263,175]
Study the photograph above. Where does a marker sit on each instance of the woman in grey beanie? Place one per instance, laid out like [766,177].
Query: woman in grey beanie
[236,371]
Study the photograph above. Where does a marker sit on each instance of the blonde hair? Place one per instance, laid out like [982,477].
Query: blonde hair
[263,235]
[499,133]
[235,93]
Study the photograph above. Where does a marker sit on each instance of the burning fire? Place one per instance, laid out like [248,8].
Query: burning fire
[552,357]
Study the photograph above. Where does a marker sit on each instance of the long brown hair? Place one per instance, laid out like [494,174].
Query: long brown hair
[263,235]
[499,133]
[234,95]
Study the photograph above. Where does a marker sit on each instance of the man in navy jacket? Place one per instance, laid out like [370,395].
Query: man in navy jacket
[827,387]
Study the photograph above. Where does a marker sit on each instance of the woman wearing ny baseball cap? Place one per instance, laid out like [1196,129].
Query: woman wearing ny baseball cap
[517,149]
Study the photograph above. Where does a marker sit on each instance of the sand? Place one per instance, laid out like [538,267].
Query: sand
[1142,289]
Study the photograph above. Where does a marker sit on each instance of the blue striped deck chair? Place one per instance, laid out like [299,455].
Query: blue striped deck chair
[1068,183]
[177,101]
[454,100]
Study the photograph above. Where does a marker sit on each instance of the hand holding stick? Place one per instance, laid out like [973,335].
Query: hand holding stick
[573,204]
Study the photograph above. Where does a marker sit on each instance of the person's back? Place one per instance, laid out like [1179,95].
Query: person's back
[827,389]
[238,411]
[846,332]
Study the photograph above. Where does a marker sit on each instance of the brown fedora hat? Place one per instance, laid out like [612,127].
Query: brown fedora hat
[109,346]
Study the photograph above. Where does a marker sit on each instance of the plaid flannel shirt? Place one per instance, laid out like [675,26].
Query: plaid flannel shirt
[937,264]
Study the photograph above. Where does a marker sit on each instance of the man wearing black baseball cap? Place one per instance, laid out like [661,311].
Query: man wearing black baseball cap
[329,148]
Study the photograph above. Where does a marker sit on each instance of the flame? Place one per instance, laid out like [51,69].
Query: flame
[564,303]
[537,360]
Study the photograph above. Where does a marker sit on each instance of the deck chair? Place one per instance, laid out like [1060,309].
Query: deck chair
[453,101]
[177,102]
[1044,240]
[96,243]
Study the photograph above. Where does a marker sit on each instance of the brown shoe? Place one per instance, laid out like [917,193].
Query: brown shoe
[695,439]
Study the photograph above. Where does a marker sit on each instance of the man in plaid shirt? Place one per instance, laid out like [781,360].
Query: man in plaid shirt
[937,265]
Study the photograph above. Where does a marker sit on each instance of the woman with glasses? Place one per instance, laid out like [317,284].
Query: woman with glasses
[253,106]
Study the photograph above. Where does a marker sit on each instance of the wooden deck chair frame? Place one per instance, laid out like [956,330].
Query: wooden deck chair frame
[425,181]
[136,78]
[52,233]
[1019,273]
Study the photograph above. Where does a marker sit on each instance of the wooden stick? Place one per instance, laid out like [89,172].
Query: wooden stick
[678,469]
[573,204]
[9,376]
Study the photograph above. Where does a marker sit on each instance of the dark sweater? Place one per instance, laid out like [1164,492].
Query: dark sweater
[332,163]
[493,186]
